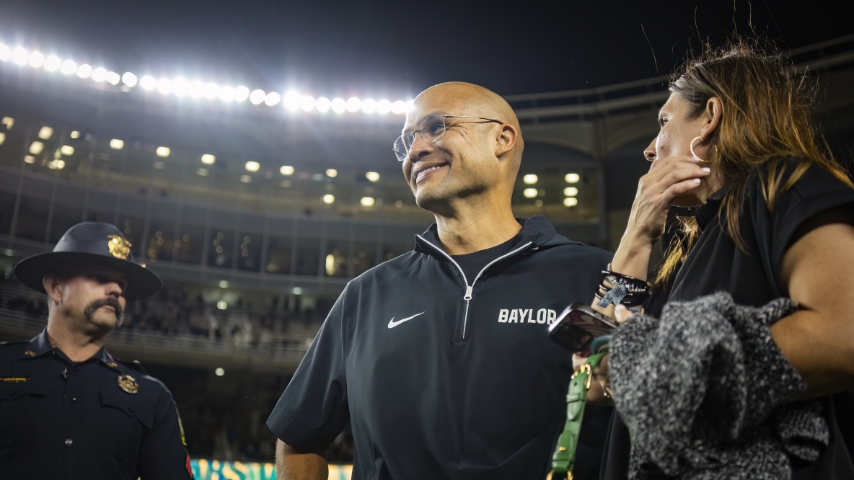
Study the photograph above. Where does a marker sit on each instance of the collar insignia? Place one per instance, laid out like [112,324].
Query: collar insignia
[14,379]
[112,364]
[30,353]
[128,384]
[119,247]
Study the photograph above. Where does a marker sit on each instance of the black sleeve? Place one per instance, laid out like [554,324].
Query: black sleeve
[816,191]
[162,455]
[313,409]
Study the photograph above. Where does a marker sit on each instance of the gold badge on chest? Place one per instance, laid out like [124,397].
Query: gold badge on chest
[128,384]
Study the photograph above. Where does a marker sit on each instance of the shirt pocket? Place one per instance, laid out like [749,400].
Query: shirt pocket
[17,402]
[122,421]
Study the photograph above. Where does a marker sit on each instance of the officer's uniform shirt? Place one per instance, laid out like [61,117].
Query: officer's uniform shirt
[98,419]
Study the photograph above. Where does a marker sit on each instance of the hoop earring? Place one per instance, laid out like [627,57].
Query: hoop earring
[691,147]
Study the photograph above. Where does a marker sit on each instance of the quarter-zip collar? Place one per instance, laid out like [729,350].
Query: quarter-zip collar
[536,230]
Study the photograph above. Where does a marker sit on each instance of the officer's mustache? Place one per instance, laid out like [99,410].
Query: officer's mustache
[109,301]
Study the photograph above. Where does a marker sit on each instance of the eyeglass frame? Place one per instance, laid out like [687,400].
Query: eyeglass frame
[402,156]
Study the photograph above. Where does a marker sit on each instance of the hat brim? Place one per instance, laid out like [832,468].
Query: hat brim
[141,282]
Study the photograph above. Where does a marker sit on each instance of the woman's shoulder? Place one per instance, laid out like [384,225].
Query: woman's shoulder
[791,180]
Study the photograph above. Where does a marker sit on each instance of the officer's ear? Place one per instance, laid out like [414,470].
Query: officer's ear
[53,286]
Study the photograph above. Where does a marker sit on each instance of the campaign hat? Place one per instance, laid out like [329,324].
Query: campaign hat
[90,244]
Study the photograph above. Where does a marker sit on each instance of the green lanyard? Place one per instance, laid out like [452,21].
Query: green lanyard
[563,460]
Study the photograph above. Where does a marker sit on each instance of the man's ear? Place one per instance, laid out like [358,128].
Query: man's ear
[712,117]
[53,286]
[506,139]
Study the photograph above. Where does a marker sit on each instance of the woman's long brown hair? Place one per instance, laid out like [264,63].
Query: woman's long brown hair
[766,119]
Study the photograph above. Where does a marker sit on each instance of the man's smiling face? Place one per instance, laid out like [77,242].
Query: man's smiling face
[459,163]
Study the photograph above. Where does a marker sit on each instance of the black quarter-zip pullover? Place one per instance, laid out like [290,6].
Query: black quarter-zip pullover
[444,376]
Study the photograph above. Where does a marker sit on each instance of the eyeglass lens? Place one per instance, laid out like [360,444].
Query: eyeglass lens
[431,129]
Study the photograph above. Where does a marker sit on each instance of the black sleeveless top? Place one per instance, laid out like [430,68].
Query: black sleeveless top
[715,263]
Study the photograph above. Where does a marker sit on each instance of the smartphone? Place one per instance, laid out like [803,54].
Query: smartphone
[577,326]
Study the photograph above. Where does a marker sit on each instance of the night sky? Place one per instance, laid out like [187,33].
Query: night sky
[395,49]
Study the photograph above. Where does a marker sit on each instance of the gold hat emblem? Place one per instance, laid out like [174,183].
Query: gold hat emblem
[119,247]
[128,384]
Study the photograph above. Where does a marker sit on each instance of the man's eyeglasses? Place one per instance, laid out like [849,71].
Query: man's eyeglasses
[431,129]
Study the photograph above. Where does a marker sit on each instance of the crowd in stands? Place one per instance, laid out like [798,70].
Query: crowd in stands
[266,321]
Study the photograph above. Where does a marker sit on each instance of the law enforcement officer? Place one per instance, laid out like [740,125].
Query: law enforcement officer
[68,409]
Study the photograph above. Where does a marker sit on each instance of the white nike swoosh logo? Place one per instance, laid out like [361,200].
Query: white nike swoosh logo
[392,323]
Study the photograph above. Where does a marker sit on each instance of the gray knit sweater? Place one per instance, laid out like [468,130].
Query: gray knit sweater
[705,393]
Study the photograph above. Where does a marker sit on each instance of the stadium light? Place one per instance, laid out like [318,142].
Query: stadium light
[572,178]
[147,82]
[252,166]
[113,78]
[223,284]
[331,173]
[221,305]
[245,178]
[45,133]
[291,101]
[241,93]
[354,104]
[163,152]
[66,150]
[202,172]
[570,191]
[226,94]
[369,106]
[52,63]
[36,147]
[68,67]
[117,144]
[164,85]
[84,70]
[129,79]
[373,176]
[36,59]
[272,99]
[208,159]
[398,107]
[220,371]
[339,105]
[286,170]
[322,104]
[257,97]
[56,164]
[367,201]
[180,86]
[570,201]
[530,192]
[2,138]
[20,56]
[30,159]
[530,179]
[329,199]
[211,90]
[307,103]
[74,134]
[99,75]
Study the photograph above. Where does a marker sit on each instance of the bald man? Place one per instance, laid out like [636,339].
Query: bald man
[439,358]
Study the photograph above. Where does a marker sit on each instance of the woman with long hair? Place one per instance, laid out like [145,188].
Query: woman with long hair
[774,219]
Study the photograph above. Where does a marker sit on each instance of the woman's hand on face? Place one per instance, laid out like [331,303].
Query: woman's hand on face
[667,179]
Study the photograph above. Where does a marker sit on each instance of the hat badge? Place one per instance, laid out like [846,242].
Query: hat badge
[119,247]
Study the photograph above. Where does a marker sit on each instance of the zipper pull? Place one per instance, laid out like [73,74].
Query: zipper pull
[468,293]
